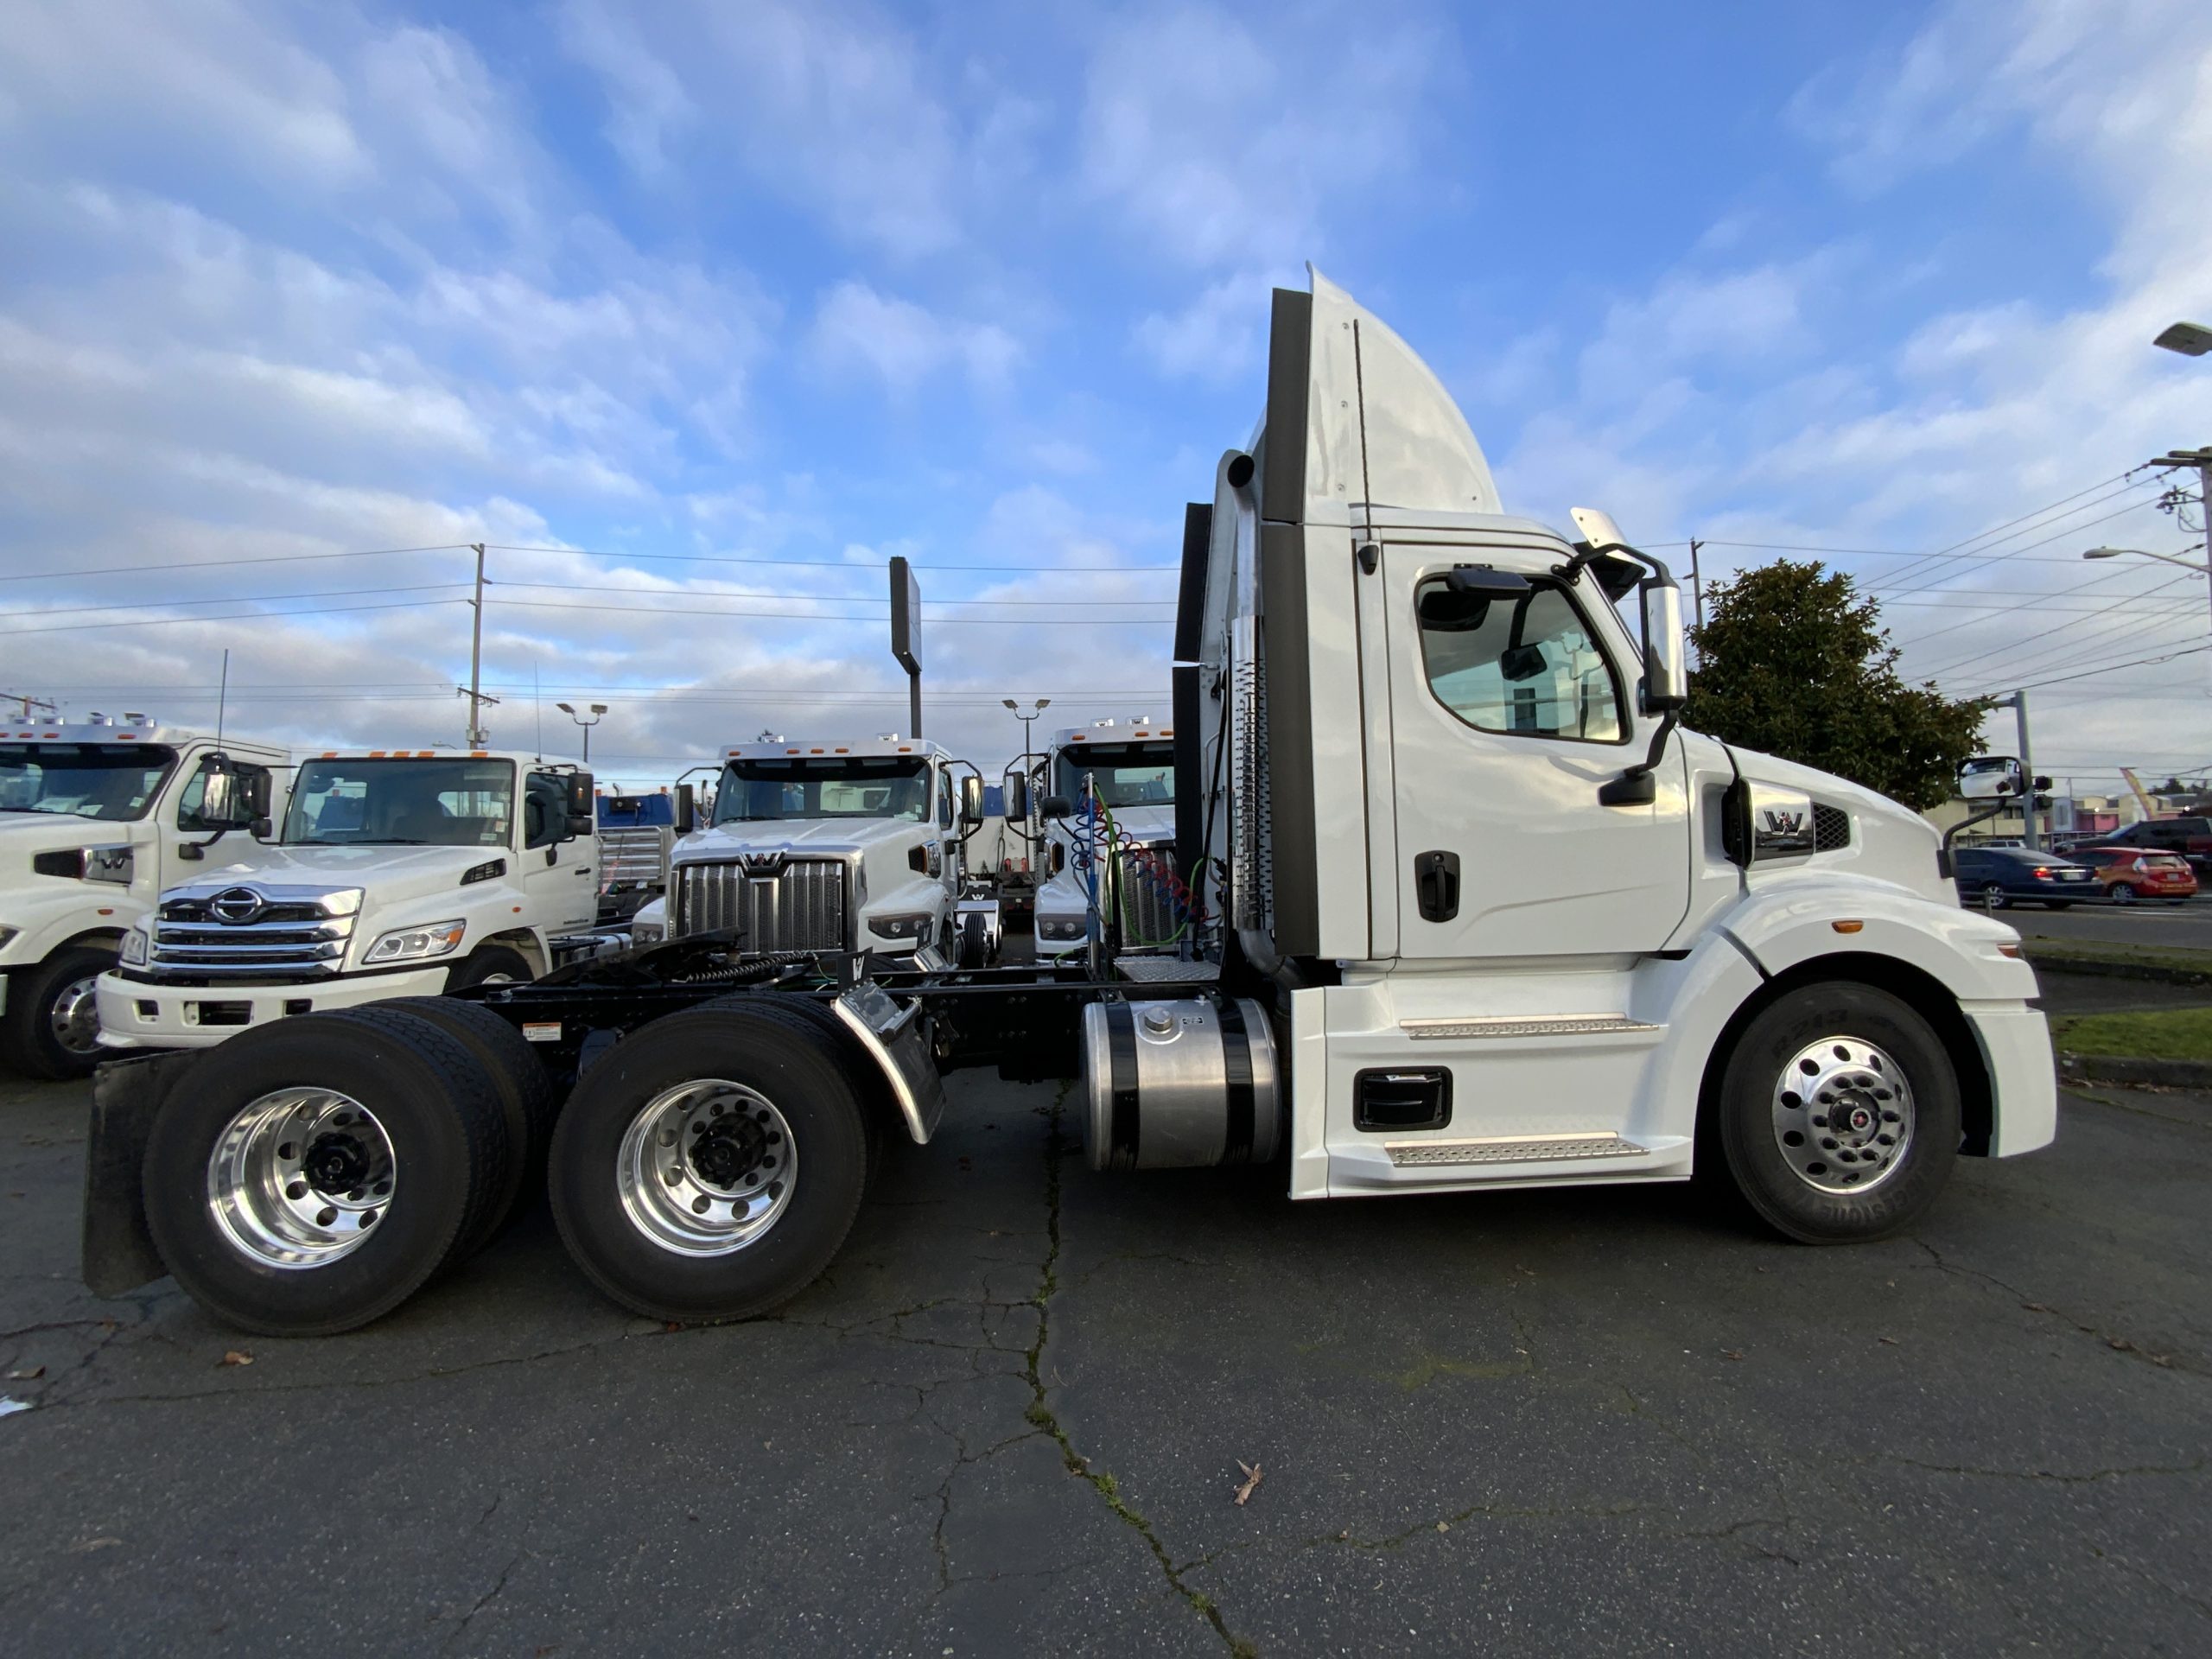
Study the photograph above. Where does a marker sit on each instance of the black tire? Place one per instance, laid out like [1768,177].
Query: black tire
[974,941]
[488,963]
[2058,904]
[29,1034]
[767,1049]
[517,1079]
[448,1142]
[1745,1107]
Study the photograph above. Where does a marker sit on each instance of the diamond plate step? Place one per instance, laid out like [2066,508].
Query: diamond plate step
[1513,1149]
[1521,1025]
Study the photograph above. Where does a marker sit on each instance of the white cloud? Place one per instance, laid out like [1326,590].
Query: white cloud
[856,328]
[1216,337]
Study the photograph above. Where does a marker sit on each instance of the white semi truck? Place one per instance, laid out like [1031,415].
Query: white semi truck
[397,873]
[96,818]
[1492,920]
[1109,839]
[842,845]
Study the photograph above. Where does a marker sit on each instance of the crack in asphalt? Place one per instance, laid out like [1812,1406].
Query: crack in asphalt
[1041,1413]
[2086,1478]
[2029,1304]
[487,1598]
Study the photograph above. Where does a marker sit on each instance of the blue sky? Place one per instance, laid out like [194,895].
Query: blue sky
[986,285]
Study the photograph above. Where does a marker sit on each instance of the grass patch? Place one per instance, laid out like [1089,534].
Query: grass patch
[2058,952]
[2165,1034]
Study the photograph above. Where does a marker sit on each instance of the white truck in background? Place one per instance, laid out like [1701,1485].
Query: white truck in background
[397,873]
[96,818]
[839,845]
[1108,785]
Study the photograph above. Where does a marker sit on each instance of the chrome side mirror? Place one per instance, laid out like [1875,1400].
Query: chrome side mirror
[971,803]
[1666,672]
[686,808]
[1016,795]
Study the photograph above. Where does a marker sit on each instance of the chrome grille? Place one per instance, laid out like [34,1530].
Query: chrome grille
[1831,827]
[801,907]
[293,940]
[1148,912]
[634,857]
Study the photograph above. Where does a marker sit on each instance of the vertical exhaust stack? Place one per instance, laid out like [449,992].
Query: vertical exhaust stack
[1189,617]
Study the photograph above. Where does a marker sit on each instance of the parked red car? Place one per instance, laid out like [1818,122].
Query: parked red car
[2130,872]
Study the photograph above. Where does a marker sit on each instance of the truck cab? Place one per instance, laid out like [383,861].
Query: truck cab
[395,873]
[96,818]
[839,845]
[1110,854]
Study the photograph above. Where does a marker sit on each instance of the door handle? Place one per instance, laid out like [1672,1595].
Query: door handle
[1436,885]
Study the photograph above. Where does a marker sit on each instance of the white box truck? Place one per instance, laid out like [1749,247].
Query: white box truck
[1494,920]
[395,873]
[96,818]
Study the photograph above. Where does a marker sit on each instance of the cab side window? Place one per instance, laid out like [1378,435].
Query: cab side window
[1529,666]
[944,800]
[544,810]
[195,792]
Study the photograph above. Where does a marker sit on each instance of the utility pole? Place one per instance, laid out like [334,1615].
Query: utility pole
[1697,584]
[30,703]
[2017,703]
[474,693]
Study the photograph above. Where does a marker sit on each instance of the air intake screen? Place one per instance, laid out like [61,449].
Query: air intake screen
[1831,827]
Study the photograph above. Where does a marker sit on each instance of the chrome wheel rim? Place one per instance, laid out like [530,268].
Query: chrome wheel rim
[1843,1116]
[1993,896]
[299,1178]
[706,1168]
[75,1017]
[2123,894]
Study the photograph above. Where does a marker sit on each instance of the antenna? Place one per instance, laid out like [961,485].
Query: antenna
[223,697]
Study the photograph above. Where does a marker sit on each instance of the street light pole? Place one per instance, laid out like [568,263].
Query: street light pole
[598,712]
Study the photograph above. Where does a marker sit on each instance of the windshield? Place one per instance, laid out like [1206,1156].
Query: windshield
[1128,774]
[113,782]
[456,803]
[846,786]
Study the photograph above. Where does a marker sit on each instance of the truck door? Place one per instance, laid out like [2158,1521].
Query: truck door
[1506,715]
[560,871]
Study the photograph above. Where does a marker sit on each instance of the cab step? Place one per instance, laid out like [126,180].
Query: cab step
[1513,1149]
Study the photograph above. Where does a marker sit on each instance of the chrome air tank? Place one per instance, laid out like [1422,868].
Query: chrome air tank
[1179,1084]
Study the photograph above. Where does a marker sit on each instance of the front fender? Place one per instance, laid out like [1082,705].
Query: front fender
[1781,926]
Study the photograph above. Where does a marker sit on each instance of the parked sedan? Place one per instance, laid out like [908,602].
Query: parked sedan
[2129,874]
[1996,876]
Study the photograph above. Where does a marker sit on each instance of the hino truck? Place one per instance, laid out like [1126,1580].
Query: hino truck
[96,818]
[397,872]
[1109,839]
[1490,917]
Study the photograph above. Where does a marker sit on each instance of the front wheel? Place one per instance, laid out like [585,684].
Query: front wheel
[52,1026]
[1839,1114]
[709,1166]
[491,964]
[974,941]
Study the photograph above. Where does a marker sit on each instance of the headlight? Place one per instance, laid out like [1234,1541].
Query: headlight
[645,933]
[411,943]
[914,926]
[1060,928]
[134,947]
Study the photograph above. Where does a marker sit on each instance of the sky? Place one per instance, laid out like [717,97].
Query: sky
[697,314]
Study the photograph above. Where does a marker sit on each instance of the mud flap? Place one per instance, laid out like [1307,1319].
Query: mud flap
[119,1254]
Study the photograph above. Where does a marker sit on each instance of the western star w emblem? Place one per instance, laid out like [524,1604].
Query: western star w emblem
[236,905]
[762,867]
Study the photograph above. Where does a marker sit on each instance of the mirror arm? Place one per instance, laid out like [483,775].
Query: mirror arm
[1996,809]
[192,851]
[1637,786]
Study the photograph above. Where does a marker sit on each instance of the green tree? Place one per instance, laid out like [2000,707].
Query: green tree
[1794,660]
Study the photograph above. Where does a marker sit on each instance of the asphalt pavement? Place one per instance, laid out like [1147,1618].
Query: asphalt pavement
[2187,924]
[1015,1415]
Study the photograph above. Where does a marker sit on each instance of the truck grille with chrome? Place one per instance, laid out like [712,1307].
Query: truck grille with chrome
[278,939]
[777,903]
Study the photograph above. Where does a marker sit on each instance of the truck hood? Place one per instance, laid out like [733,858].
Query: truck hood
[823,838]
[24,834]
[1890,842]
[395,875]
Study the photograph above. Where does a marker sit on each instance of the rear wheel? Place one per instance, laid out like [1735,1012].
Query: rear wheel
[2126,892]
[1993,896]
[308,1177]
[1839,1114]
[52,1023]
[709,1166]
[974,941]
